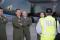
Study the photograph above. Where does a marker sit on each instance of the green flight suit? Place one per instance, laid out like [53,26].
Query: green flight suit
[3,21]
[17,29]
[26,25]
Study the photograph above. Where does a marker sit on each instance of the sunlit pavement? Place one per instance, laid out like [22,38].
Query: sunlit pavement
[9,31]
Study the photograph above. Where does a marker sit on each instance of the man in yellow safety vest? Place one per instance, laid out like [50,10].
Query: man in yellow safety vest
[49,26]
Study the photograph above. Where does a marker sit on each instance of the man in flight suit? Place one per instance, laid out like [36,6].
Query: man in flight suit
[17,26]
[27,21]
[3,21]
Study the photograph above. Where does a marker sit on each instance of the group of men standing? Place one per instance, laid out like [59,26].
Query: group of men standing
[21,23]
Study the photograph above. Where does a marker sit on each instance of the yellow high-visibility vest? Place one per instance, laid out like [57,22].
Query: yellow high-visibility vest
[48,26]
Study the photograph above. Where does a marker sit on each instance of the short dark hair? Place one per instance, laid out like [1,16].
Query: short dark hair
[48,10]
[17,9]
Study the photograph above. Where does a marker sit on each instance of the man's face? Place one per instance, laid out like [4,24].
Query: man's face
[1,12]
[24,13]
[18,12]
